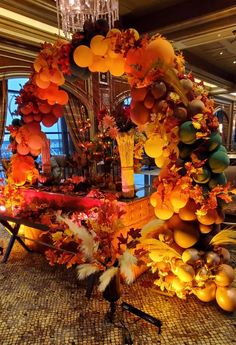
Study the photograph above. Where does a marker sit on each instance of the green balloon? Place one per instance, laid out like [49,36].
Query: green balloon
[217,179]
[185,151]
[204,177]
[218,161]
[187,133]
[214,141]
[222,148]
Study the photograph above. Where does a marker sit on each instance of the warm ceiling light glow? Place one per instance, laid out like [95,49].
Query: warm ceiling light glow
[234,61]
[205,83]
[221,53]
[219,35]
[29,21]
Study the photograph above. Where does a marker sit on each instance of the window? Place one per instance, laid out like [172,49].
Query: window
[58,134]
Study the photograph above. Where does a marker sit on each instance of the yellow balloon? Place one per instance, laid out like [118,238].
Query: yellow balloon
[186,236]
[113,31]
[117,67]
[161,161]
[112,54]
[99,64]
[83,56]
[163,211]
[153,146]
[99,45]
[135,32]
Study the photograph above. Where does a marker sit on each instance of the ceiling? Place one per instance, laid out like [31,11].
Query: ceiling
[204,30]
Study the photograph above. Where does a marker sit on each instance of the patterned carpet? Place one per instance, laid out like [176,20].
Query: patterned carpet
[46,305]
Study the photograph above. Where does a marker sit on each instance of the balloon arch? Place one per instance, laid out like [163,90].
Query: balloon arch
[174,111]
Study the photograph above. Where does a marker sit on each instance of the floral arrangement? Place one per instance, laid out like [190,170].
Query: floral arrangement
[93,241]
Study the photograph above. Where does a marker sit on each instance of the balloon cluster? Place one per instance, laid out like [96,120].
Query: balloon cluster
[104,52]
[183,138]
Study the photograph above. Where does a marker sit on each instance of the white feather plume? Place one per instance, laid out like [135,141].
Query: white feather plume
[85,270]
[106,277]
[88,244]
[127,261]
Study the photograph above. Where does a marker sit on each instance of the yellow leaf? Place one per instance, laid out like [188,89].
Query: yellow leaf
[57,236]
[68,232]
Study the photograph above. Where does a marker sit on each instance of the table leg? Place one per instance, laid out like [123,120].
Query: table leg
[9,248]
[13,231]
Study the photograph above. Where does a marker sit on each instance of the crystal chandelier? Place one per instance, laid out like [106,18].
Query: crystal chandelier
[72,14]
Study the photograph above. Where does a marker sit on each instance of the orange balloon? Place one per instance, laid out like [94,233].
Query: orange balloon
[139,114]
[40,83]
[35,142]
[83,56]
[45,74]
[62,97]
[57,77]
[33,127]
[209,218]
[41,94]
[117,67]
[45,108]
[49,120]
[28,118]
[138,94]
[23,149]
[188,212]
[179,198]
[57,110]
[164,211]
[99,64]
[99,45]
[37,117]
[159,49]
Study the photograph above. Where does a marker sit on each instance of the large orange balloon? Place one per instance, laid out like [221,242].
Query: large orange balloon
[83,56]
[140,114]
[35,142]
[160,50]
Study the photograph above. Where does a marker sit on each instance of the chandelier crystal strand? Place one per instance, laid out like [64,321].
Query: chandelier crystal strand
[74,13]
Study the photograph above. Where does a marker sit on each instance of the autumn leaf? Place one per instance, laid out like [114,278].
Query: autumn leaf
[57,236]
[134,233]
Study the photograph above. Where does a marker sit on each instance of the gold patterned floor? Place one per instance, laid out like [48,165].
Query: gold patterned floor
[46,305]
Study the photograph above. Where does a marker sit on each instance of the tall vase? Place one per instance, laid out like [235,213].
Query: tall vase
[126,150]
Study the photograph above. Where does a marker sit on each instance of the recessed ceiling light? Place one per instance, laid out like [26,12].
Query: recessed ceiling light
[221,53]
[234,61]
